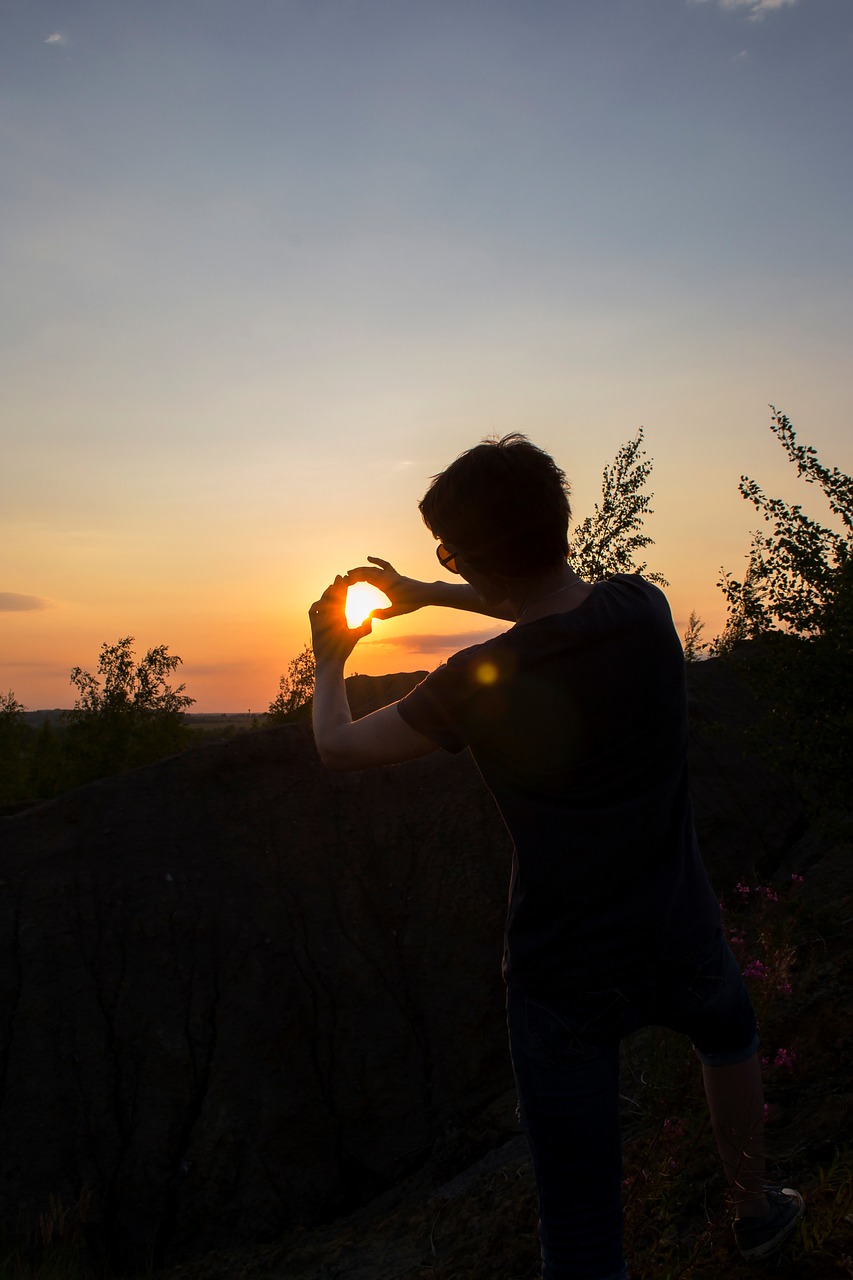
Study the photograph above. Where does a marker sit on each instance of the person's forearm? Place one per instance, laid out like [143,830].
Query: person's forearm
[331,711]
[381,737]
[459,595]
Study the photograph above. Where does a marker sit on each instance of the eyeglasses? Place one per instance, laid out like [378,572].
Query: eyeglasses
[447,559]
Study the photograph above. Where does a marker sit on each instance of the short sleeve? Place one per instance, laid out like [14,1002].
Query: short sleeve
[437,706]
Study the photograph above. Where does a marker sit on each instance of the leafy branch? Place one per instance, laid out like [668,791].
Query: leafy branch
[607,541]
[795,572]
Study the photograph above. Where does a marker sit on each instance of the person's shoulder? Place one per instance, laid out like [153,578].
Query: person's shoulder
[635,592]
[633,584]
[456,668]
[633,579]
[473,653]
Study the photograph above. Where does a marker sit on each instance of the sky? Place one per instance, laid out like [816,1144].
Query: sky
[268,266]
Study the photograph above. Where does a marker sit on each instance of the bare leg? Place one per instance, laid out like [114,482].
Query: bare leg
[736,1102]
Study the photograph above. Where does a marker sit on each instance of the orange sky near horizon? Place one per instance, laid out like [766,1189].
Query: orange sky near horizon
[236,636]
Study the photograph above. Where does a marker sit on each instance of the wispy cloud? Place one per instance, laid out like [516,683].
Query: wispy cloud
[57,37]
[443,645]
[756,10]
[12,602]
[743,56]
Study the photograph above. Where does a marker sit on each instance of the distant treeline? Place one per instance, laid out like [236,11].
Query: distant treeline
[43,754]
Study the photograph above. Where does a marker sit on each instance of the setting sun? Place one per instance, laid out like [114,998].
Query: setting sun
[361,598]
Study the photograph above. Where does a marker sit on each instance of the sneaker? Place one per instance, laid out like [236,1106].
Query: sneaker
[760,1237]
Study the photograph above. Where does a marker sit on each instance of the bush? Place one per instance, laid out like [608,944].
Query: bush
[295,688]
[130,716]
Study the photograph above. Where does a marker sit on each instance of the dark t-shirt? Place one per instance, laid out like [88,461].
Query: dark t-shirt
[578,724]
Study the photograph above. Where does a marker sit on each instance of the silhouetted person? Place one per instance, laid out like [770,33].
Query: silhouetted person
[577,719]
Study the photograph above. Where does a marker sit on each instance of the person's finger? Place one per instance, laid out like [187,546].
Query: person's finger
[333,591]
[383,564]
[380,614]
[333,596]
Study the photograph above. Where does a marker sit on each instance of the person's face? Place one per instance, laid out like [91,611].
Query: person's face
[489,587]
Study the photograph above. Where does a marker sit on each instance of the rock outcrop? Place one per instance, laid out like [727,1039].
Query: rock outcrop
[242,994]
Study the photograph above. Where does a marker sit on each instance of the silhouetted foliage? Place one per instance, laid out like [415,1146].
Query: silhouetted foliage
[797,597]
[137,690]
[128,714]
[11,710]
[607,541]
[693,644]
[795,574]
[295,688]
[14,748]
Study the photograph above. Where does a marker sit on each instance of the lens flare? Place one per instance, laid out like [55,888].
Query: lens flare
[361,598]
[487,673]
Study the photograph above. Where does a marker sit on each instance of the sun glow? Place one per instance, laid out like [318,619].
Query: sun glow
[361,599]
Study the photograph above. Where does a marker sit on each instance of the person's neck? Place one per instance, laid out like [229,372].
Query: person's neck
[555,591]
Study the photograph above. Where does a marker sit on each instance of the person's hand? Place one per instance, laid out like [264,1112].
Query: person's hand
[406,594]
[331,638]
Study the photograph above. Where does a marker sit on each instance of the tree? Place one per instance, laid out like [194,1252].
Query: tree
[11,710]
[795,574]
[129,688]
[693,645]
[797,592]
[14,743]
[295,688]
[128,714]
[607,541]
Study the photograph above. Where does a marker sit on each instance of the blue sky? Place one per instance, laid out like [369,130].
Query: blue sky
[269,266]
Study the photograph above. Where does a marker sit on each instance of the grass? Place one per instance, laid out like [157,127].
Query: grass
[677,1219]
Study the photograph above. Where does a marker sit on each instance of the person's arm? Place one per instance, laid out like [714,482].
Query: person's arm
[408,594]
[383,737]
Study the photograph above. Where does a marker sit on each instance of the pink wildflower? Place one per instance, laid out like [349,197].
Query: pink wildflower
[785,1058]
[755,969]
[796,879]
[674,1124]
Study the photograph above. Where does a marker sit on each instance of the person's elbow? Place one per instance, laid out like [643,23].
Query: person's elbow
[337,755]
[381,737]
[340,762]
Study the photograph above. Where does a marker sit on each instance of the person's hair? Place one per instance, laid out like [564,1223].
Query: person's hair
[503,505]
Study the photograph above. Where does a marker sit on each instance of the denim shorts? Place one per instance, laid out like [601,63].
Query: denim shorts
[702,995]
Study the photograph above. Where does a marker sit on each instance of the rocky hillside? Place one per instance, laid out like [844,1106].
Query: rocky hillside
[244,996]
